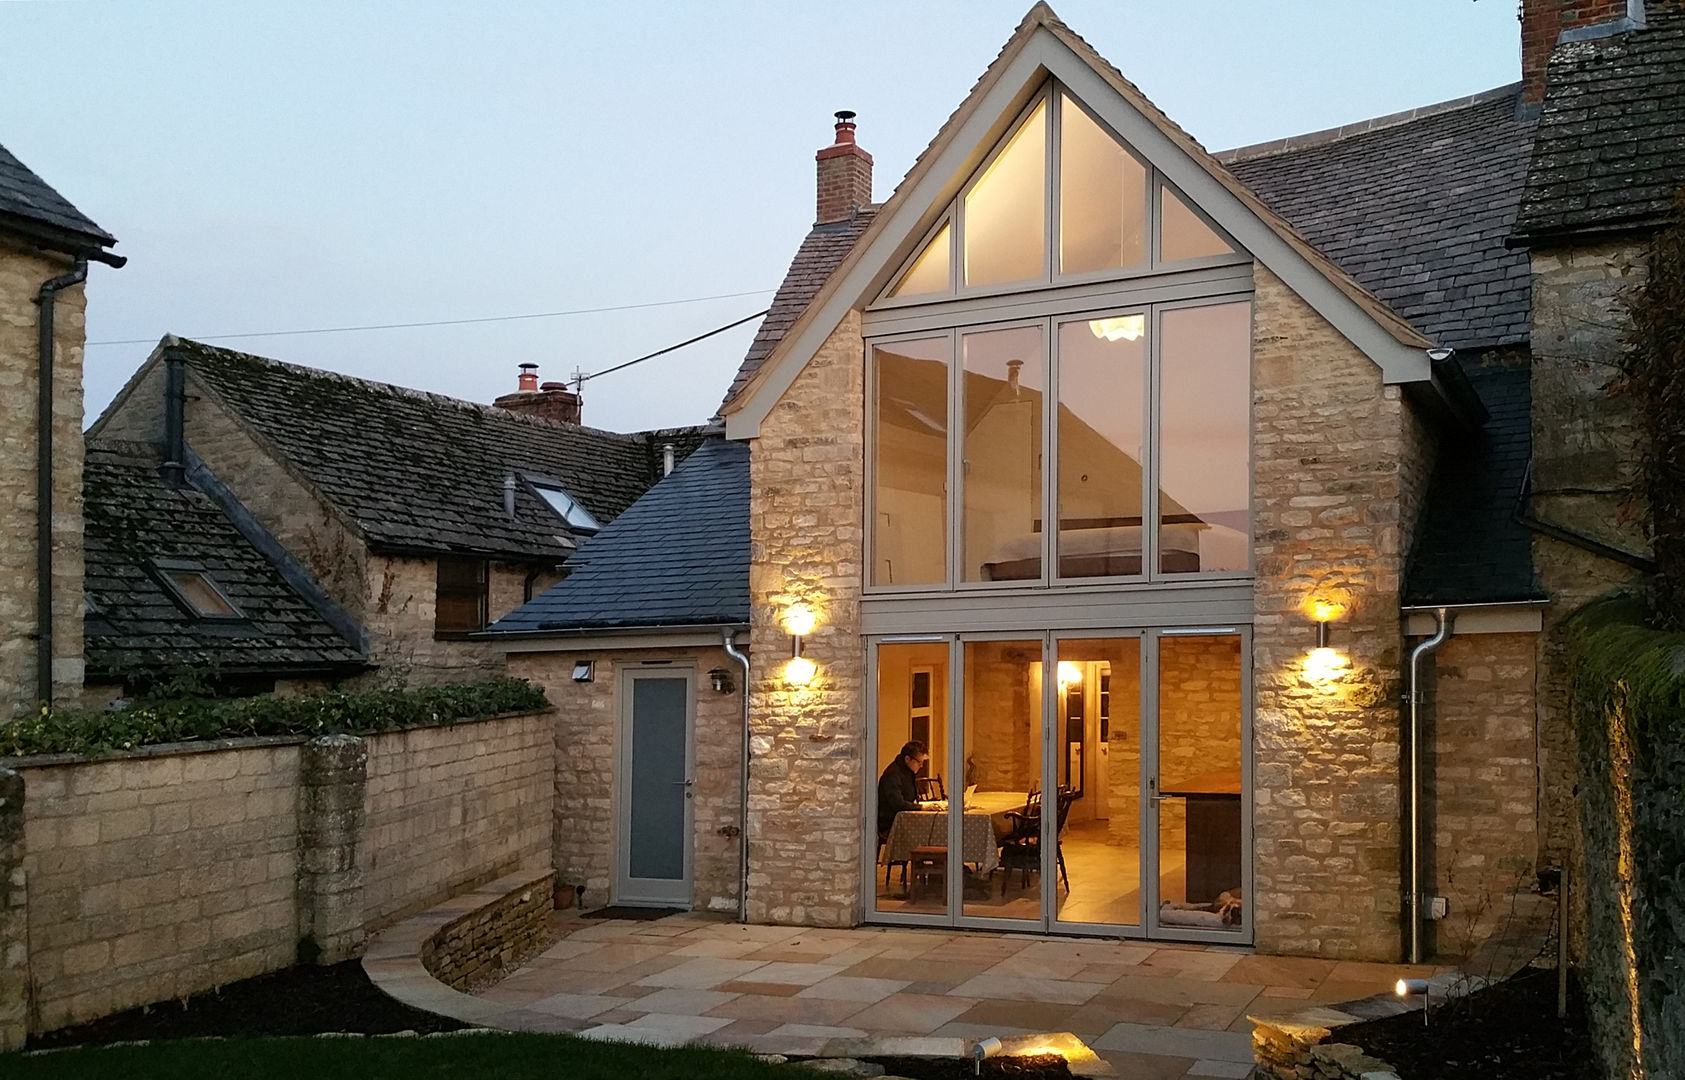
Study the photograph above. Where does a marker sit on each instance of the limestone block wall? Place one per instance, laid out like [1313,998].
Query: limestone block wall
[152,877]
[1583,461]
[583,835]
[22,272]
[167,871]
[807,472]
[449,807]
[1482,785]
[493,938]
[1337,462]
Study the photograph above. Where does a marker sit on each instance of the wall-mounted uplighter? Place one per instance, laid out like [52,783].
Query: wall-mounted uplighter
[799,621]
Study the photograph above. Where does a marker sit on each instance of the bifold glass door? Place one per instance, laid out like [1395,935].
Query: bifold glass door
[1091,782]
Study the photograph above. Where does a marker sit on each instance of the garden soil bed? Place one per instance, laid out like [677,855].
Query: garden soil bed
[1508,1031]
[1040,1067]
[297,1001]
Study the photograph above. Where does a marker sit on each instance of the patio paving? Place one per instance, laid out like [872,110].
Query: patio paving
[1148,1010]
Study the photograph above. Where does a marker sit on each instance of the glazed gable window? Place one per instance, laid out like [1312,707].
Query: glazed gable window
[1110,213]
[1059,376]
[1130,429]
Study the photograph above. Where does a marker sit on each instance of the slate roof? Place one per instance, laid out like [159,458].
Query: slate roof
[27,196]
[678,557]
[133,624]
[1417,207]
[1610,152]
[1469,546]
[420,472]
[821,252]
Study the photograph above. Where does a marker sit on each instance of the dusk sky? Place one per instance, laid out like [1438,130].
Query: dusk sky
[299,165]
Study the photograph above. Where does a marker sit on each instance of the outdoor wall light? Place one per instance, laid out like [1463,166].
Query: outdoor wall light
[799,620]
[584,670]
[1324,613]
[720,679]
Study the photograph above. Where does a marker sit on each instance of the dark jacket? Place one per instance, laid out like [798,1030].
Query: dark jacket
[898,790]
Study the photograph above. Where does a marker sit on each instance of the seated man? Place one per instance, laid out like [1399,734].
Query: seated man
[898,786]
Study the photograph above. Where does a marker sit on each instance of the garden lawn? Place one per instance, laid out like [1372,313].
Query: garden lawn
[444,1057]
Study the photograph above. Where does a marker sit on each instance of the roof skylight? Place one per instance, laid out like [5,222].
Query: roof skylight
[566,507]
[195,590]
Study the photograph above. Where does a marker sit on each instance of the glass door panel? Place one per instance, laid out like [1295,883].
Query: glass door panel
[1001,832]
[1199,813]
[1098,736]
[912,746]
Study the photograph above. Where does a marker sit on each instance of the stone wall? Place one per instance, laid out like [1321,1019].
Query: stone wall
[449,807]
[22,272]
[1290,1050]
[806,470]
[1481,785]
[491,940]
[1584,455]
[167,871]
[585,720]
[153,877]
[1337,460]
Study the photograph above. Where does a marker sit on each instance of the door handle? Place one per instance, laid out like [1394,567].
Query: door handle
[688,785]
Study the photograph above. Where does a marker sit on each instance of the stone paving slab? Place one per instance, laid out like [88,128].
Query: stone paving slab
[1137,1009]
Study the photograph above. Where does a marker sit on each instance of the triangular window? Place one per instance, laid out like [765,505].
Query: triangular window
[929,272]
[1005,210]
[1061,199]
[1183,234]
[1102,197]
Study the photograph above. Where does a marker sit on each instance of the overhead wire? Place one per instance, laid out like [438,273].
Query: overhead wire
[449,322]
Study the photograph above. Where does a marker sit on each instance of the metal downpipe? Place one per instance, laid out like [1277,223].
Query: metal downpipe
[1425,648]
[743,783]
[46,300]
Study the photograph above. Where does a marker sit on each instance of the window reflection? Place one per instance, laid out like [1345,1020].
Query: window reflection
[1001,457]
[1102,414]
[1205,445]
[910,454]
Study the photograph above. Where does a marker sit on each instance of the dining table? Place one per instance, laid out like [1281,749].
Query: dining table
[928,827]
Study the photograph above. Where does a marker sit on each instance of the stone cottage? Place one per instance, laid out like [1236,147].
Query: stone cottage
[45,247]
[1183,507]
[421,517]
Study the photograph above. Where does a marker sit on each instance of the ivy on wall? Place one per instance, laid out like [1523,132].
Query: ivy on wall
[193,718]
[1653,375]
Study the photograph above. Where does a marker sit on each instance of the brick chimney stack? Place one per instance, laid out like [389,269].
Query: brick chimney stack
[1546,22]
[552,400]
[845,174]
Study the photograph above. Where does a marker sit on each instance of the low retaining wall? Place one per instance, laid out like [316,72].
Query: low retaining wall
[170,870]
[494,938]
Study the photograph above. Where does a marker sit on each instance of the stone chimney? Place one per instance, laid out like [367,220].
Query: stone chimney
[1546,22]
[845,174]
[552,400]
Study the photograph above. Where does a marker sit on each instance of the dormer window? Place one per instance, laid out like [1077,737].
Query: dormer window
[566,506]
[194,590]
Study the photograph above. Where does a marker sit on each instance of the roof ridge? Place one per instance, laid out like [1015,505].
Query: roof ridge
[393,389]
[1362,127]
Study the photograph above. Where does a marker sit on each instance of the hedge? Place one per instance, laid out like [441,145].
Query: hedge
[80,731]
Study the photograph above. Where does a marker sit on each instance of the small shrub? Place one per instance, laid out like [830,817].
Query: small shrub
[188,719]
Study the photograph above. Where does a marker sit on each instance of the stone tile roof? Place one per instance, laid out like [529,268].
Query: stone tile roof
[1469,546]
[420,472]
[678,557]
[820,253]
[134,626]
[1417,207]
[27,196]
[1610,152]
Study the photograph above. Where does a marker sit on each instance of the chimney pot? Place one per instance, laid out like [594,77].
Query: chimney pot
[845,174]
[528,380]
